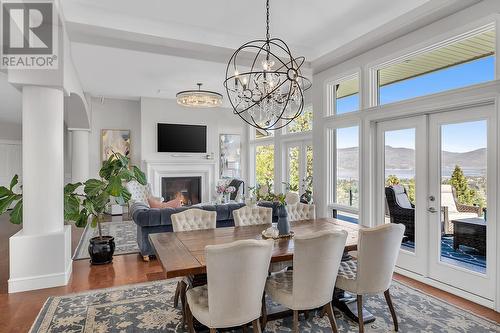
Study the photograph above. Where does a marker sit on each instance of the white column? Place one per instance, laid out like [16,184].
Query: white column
[79,155]
[40,254]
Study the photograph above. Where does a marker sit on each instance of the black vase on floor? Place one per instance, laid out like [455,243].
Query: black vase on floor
[101,250]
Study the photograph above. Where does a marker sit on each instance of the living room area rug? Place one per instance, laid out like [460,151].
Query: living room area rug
[124,232]
[148,307]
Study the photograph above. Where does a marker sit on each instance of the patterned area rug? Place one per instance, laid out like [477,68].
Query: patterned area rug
[149,308]
[124,232]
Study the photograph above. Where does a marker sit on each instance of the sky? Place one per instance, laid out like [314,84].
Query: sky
[453,138]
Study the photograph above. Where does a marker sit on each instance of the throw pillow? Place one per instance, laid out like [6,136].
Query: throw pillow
[155,203]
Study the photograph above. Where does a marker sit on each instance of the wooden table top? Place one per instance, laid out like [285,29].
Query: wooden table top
[183,253]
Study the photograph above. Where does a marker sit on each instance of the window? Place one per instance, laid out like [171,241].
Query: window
[347,170]
[302,123]
[345,95]
[264,164]
[294,168]
[299,167]
[457,64]
[308,181]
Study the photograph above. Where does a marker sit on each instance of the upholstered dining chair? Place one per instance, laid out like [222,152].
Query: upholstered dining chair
[297,210]
[188,220]
[371,272]
[194,219]
[236,276]
[311,283]
[301,211]
[252,216]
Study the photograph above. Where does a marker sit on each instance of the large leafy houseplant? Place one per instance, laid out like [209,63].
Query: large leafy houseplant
[97,193]
[80,206]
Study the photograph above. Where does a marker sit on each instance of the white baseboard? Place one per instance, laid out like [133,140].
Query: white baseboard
[40,260]
[40,282]
[450,289]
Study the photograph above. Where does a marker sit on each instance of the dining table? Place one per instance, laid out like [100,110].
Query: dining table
[182,254]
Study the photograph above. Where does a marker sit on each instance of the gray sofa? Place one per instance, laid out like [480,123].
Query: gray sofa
[155,220]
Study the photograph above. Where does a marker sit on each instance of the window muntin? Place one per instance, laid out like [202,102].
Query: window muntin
[347,169]
[264,164]
[458,64]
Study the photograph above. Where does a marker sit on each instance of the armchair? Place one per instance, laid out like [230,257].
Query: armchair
[401,210]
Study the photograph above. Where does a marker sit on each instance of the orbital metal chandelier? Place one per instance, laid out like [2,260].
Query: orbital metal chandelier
[268,91]
[199,98]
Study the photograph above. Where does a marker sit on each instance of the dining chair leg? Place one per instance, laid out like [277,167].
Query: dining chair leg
[264,312]
[256,326]
[295,328]
[189,317]
[182,294]
[177,293]
[361,322]
[331,316]
[391,308]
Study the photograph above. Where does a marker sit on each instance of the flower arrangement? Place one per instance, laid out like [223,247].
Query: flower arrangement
[223,189]
[230,189]
[220,189]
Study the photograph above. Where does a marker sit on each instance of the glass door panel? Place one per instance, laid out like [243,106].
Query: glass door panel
[461,209]
[293,166]
[463,194]
[399,173]
[308,180]
[402,186]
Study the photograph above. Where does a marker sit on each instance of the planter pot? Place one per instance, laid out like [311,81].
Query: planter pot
[283,224]
[101,250]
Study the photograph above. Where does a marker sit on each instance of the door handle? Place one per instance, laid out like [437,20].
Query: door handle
[432,210]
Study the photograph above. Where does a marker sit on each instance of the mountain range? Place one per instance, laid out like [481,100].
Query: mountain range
[473,162]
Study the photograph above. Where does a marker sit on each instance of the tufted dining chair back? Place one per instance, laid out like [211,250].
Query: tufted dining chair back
[252,216]
[236,275]
[316,263]
[378,250]
[301,211]
[194,219]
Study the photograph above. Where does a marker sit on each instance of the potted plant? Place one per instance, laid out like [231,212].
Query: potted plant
[89,203]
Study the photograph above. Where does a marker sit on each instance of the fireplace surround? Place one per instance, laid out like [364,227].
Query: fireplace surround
[201,168]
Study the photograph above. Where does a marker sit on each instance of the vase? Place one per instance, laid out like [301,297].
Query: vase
[283,224]
[227,197]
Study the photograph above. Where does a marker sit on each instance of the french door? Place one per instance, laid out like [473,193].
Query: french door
[402,161]
[298,169]
[462,199]
[441,174]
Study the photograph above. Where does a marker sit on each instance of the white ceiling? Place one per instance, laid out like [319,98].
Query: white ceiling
[123,48]
[312,27]
[129,49]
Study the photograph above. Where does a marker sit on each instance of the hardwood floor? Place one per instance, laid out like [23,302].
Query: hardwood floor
[19,310]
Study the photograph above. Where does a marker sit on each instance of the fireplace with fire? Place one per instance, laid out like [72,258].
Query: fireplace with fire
[188,189]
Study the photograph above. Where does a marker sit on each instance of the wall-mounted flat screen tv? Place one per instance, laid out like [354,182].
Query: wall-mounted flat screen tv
[176,138]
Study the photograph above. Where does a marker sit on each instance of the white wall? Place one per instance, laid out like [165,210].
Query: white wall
[10,131]
[114,114]
[218,121]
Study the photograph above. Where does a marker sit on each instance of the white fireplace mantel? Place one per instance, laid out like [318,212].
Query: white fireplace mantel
[156,170]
